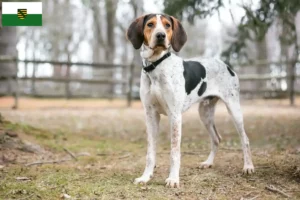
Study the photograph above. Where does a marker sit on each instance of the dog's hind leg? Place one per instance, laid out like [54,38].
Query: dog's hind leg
[234,108]
[207,111]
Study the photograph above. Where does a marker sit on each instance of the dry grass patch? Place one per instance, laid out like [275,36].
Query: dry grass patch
[110,147]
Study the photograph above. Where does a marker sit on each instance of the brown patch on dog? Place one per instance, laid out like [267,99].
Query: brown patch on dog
[148,31]
[168,27]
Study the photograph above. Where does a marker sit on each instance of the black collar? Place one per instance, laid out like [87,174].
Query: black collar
[153,65]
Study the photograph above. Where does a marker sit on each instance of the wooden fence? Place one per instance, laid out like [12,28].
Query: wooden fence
[67,79]
[128,82]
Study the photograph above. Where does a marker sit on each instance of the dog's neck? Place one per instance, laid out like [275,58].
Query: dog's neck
[149,55]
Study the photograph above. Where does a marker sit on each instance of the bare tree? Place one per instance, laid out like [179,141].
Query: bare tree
[262,54]
[103,30]
[111,8]
[8,71]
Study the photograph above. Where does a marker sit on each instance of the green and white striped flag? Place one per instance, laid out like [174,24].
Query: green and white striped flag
[22,14]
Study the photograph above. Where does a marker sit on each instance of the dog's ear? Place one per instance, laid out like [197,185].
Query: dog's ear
[179,36]
[135,32]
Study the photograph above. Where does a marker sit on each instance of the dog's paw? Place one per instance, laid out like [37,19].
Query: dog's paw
[141,180]
[172,183]
[205,165]
[249,169]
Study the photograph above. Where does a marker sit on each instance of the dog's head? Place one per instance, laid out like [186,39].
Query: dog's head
[157,32]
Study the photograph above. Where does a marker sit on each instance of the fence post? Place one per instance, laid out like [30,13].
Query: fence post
[130,84]
[33,90]
[16,94]
[67,83]
[291,77]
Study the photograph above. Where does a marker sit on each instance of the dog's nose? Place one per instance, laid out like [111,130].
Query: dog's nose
[160,36]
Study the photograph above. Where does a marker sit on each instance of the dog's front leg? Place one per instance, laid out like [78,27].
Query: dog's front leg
[175,125]
[152,123]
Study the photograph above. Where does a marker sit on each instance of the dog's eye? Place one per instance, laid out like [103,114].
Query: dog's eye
[168,25]
[150,25]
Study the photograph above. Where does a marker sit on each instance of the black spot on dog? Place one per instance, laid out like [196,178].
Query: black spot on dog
[230,71]
[202,88]
[193,73]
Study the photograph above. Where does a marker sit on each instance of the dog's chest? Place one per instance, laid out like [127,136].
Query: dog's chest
[159,83]
[157,99]
[166,88]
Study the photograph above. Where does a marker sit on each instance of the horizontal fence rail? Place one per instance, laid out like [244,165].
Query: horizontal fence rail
[94,65]
[255,77]
[79,80]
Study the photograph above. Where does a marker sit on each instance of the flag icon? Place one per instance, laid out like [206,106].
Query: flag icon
[22,14]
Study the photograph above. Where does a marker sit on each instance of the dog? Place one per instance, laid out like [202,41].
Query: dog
[170,85]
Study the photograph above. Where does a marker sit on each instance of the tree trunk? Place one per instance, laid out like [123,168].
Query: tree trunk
[262,55]
[97,34]
[34,70]
[98,41]
[137,6]
[291,52]
[8,43]
[68,69]
[294,59]
[57,69]
[111,8]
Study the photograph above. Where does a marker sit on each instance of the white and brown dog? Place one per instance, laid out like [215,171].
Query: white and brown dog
[170,85]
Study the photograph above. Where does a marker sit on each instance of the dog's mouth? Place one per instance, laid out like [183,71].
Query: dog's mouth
[160,46]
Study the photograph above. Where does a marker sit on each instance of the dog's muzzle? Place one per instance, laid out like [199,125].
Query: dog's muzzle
[160,39]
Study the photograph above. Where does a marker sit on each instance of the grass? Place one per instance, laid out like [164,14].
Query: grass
[115,141]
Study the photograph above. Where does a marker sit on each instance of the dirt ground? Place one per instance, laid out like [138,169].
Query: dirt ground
[108,142]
